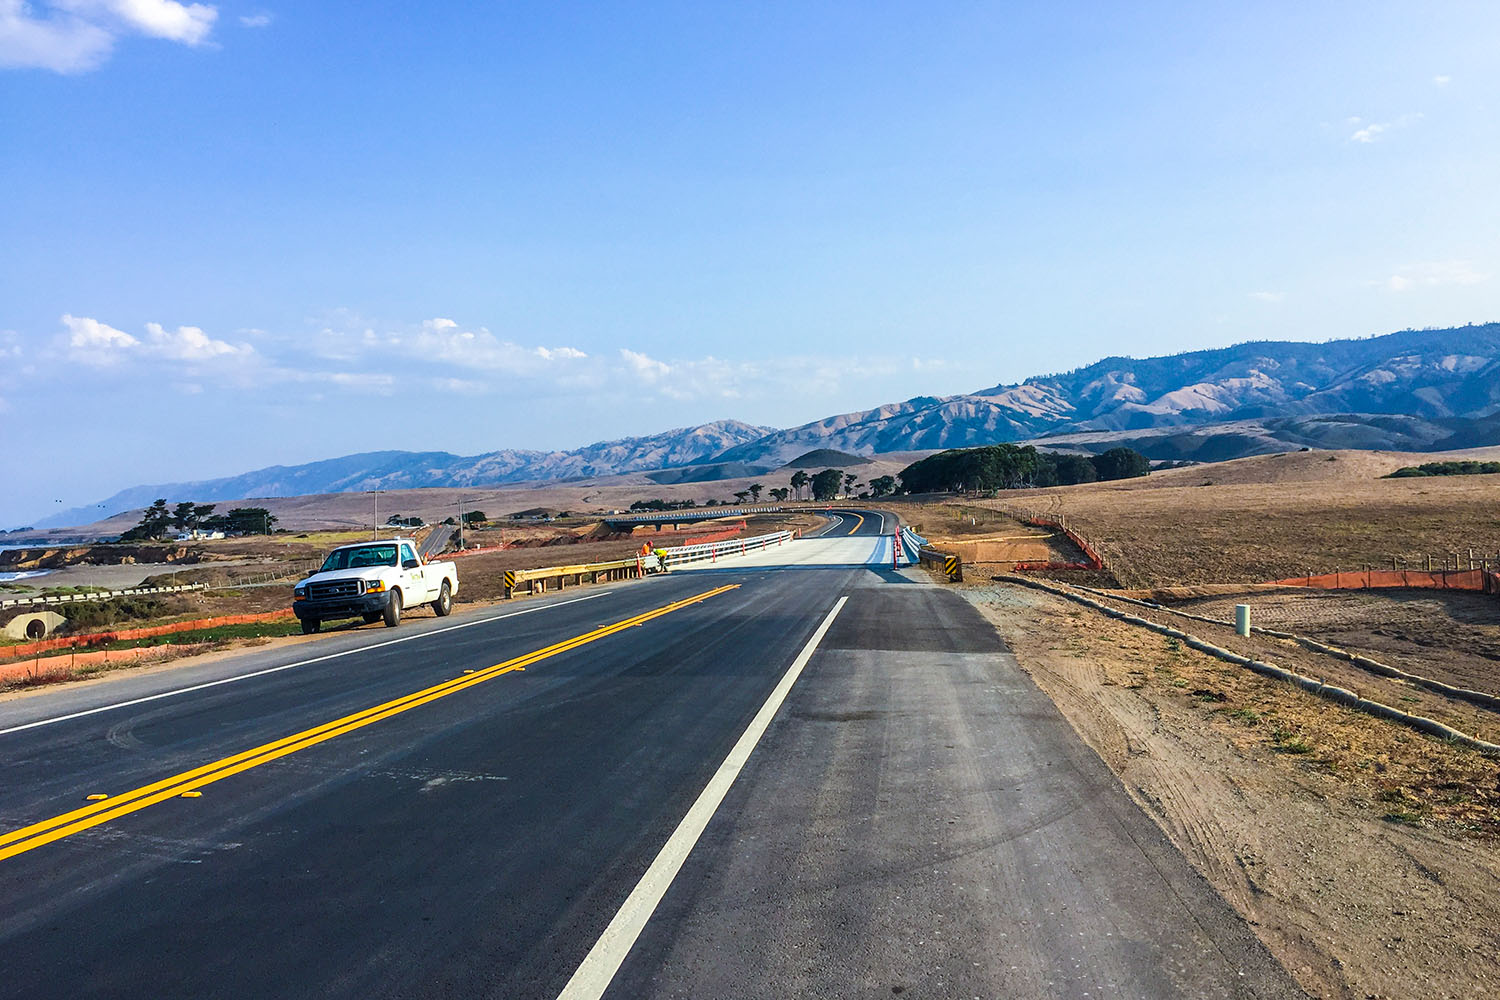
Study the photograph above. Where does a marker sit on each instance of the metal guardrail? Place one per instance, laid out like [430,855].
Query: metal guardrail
[539,581]
[683,555]
[689,513]
[912,543]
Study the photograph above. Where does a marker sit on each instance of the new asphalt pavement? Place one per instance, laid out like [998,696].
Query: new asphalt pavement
[812,775]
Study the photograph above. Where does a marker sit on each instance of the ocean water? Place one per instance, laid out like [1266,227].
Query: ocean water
[24,574]
[7,577]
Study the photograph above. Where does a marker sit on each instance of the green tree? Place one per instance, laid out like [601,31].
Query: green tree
[474,517]
[825,485]
[849,480]
[242,521]
[1074,469]
[800,479]
[1121,463]
[740,496]
[155,521]
[755,489]
[882,486]
[182,516]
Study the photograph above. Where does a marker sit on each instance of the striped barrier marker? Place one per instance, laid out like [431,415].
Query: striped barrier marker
[510,583]
[953,568]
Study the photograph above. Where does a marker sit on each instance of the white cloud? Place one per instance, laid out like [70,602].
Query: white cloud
[261,20]
[176,22]
[74,36]
[189,343]
[1268,296]
[1374,130]
[377,381]
[60,42]
[100,345]
[1442,81]
[94,343]
[644,366]
[559,353]
[441,341]
[1435,273]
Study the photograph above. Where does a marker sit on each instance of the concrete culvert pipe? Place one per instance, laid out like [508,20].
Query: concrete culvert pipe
[35,625]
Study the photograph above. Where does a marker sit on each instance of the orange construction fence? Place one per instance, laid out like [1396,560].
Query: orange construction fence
[102,638]
[1476,580]
[1094,562]
[61,666]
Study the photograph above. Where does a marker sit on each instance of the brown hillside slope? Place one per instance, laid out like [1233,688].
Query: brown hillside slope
[1276,516]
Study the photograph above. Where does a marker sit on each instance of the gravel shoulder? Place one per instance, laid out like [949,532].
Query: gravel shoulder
[1365,856]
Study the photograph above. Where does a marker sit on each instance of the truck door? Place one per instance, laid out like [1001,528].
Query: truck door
[417,589]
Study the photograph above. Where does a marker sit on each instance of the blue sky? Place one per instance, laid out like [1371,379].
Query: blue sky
[236,235]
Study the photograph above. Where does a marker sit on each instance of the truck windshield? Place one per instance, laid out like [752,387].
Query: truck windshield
[359,557]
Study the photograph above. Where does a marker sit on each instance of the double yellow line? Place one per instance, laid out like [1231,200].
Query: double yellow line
[31,837]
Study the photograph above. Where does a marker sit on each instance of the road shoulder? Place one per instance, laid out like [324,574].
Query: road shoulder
[1354,899]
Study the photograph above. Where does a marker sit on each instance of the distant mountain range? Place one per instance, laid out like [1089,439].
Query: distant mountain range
[1438,375]
[396,470]
[1417,390]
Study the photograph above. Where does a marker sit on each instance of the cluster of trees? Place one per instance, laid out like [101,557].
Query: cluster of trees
[660,504]
[1467,468]
[1009,467]
[158,520]
[402,521]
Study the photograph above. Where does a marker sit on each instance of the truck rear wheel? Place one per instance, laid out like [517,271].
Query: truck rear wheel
[444,603]
[393,610]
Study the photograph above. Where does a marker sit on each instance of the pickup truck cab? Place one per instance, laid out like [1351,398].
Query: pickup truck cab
[373,580]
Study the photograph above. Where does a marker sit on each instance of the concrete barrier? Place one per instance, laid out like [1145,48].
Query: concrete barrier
[95,595]
[946,563]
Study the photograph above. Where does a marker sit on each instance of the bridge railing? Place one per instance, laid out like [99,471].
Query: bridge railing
[686,555]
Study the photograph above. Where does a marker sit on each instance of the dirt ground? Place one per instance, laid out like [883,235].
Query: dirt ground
[1365,855]
[1273,517]
[1449,636]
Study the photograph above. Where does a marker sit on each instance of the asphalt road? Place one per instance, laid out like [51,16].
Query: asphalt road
[917,819]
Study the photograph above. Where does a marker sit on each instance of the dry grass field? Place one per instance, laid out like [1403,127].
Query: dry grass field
[1275,516]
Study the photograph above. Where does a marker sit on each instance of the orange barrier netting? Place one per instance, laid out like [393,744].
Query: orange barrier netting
[1094,562]
[1474,580]
[101,638]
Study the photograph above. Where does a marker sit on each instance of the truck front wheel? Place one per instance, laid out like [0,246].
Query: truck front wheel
[444,603]
[309,626]
[393,610]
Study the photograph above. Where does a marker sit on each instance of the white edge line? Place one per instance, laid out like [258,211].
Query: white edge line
[289,666]
[599,966]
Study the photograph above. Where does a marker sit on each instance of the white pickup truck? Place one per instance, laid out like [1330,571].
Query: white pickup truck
[373,580]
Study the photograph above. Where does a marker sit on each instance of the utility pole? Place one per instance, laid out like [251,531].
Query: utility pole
[460,524]
[375,513]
